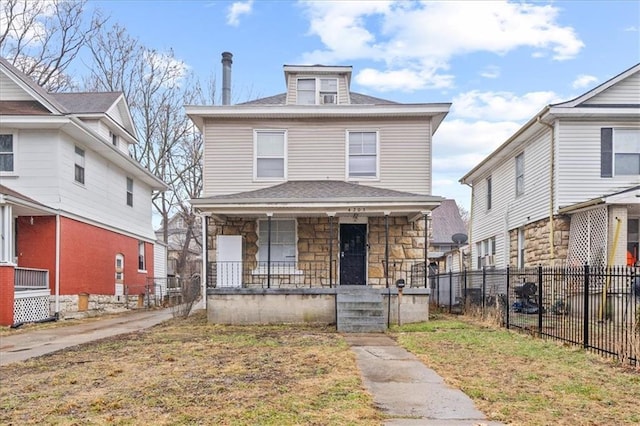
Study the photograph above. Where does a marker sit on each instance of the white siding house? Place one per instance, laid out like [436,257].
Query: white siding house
[577,162]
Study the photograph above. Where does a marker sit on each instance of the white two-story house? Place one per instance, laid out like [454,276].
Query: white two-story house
[75,208]
[317,186]
[565,188]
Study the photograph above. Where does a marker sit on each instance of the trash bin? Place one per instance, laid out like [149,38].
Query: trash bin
[83,302]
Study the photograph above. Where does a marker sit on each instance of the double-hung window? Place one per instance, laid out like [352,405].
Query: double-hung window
[141,262]
[79,165]
[362,155]
[489,189]
[283,242]
[619,152]
[130,192]
[270,160]
[312,91]
[7,153]
[520,174]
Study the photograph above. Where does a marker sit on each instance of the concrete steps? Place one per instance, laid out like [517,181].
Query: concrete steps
[360,310]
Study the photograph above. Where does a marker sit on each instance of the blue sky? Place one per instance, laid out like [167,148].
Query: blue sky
[498,62]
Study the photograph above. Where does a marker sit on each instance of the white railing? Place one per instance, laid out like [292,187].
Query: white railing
[31,279]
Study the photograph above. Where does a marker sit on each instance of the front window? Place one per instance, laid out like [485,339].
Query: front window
[627,152]
[520,174]
[141,262]
[270,154]
[130,192]
[7,153]
[79,165]
[312,91]
[362,155]
[283,241]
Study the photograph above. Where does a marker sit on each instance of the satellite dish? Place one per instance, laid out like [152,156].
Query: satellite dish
[459,238]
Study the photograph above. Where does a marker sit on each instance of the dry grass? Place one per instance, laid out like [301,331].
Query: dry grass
[187,371]
[522,380]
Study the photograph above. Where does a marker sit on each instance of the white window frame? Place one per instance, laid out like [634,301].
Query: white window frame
[348,176]
[14,153]
[521,246]
[616,149]
[288,269]
[319,93]
[142,257]
[129,192]
[79,162]
[520,174]
[256,132]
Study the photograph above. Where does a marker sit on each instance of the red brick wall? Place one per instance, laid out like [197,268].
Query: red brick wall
[6,294]
[87,259]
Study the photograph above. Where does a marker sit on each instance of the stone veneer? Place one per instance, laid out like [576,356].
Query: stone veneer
[97,304]
[537,250]
[406,244]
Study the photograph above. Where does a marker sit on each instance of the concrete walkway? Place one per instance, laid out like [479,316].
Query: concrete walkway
[403,387]
[406,390]
[35,343]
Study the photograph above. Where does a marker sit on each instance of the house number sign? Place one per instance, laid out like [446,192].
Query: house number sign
[356,209]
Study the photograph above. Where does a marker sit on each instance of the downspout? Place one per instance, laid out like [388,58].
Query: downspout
[57,278]
[469,239]
[551,189]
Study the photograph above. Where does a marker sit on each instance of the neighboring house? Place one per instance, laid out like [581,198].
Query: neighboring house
[447,225]
[565,188]
[178,230]
[318,186]
[75,208]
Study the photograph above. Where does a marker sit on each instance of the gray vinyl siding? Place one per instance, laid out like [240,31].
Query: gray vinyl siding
[579,162]
[625,92]
[509,211]
[316,150]
[11,91]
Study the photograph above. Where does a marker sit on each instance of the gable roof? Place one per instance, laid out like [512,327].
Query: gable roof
[574,108]
[84,102]
[356,99]
[445,222]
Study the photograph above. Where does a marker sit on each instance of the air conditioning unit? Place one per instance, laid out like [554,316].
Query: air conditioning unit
[328,99]
[488,260]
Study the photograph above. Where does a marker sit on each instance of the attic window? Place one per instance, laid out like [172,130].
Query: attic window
[314,91]
[114,138]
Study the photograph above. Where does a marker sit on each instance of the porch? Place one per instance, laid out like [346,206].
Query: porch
[31,295]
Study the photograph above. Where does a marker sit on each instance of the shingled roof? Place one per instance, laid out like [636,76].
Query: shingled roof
[318,191]
[84,102]
[356,99]
[446,222]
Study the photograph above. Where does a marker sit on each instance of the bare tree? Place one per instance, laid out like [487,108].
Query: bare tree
[43,37]
[464,215]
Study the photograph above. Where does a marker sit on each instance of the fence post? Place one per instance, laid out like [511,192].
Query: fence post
[484,286]
[450,289]
[438,289]
[585,324]
[506,301]
[464,295]
[540,308]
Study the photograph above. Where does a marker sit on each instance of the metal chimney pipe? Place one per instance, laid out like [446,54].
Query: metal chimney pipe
[226,78]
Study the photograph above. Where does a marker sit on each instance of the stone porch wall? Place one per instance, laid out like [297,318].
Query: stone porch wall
[537,249]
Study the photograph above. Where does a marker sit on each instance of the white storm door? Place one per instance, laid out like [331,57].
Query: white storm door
[229,261]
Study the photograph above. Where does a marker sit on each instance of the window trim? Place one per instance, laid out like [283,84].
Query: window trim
[318,89]
[519,175]
[348,176]
[14,152]
[255,155]
[616,151]
[77,166]
[260,263]
[489,200]
[142,256]
[129,192]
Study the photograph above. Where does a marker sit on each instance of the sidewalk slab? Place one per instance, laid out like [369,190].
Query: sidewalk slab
[406,390]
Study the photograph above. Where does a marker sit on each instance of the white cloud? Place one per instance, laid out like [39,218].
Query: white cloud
[403,80]
[632,29]
[491,71]
[236,10]
[583,81]
[419,38]
[500,105]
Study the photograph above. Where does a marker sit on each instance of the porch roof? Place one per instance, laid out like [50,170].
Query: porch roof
[319,197]
[23,205]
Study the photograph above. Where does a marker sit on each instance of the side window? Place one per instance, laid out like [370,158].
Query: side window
[79,165]
[270,147]
[119,275]
[141,258]
[7,153]
[489,189]
[362,153]
[130,192]
[520,174]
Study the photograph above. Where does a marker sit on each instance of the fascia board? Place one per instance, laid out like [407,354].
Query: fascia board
[33,121]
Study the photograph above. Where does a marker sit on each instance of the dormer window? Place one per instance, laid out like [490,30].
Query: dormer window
[315,91]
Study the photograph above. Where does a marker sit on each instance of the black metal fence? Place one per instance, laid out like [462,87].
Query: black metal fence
[595,307]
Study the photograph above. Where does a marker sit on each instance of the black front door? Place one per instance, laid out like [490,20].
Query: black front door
[353,254]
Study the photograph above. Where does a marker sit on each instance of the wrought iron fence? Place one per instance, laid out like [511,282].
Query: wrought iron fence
[301,274]
[595,307]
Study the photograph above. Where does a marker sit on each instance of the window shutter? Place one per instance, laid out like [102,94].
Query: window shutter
[606,152]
